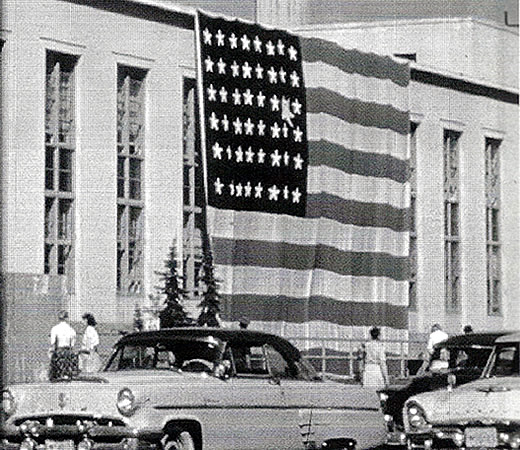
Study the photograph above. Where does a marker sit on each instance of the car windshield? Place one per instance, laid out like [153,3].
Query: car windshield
[187,355]
[468,357]
[504,362]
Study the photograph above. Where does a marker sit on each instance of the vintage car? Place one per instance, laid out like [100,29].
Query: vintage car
[482,414]
[194,388]
[463,355]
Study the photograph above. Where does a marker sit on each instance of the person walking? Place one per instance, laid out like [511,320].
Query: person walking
[64,362]
[375,372]
[89,360]
[436,336]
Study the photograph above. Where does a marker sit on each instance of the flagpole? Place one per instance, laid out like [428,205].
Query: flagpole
[205,235]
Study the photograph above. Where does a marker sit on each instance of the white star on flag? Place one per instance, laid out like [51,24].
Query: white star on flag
[258,190]
[217,150]
[296,194]
[261,127]
[275,130]
[286,158]
[248,97]
[281,74]
[259,71]
[270,48]
[213,119]
[238,126]
[248,125]
[260,98]
[287,115]
[218,186]
[296,106]
[212,93]
[220,38]
[274,192]
[250,155]
[286,192]
[233,40]
[223,94]
[221,66]
[275,158]
[247,189]
[298,162]
[295,79]
[257,43]
[207,36]
[285,130]
[246,70]
[235,68]
[225,123]
[239,154]
[245,42]
[236,97]
[292,53]
[275,103]
[280,46]
[209,64]
[273,75]
[239,190]
[297,134]
[231,189]
[261,156]
[229,153]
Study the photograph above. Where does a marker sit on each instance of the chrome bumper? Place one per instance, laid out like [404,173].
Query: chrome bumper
[40,437]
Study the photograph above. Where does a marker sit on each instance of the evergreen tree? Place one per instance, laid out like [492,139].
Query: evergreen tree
[173,315]
[210,303]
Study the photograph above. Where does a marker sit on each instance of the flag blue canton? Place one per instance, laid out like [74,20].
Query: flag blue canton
[254,117]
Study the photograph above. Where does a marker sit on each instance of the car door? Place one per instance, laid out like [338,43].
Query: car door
[255,414]
[329,410]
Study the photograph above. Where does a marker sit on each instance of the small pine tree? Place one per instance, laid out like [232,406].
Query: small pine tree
[210,303]
[173,315]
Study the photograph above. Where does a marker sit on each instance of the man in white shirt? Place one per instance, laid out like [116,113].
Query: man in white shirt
[62,334]
[436,336]
[64,362]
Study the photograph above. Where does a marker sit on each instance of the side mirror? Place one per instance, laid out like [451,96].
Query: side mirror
[223,370]
[452,381]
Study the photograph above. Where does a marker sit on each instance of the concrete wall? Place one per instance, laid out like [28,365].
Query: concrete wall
[101,40]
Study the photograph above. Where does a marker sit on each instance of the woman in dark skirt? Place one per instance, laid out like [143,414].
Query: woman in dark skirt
[64,362]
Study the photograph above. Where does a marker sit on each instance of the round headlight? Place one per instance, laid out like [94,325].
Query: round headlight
[126,402]
[416,417]
[8,404]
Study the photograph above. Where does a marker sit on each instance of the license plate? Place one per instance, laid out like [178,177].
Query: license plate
[481,437]
[59,445]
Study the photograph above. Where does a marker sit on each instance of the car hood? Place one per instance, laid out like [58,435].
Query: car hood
[97,394]
[486,400]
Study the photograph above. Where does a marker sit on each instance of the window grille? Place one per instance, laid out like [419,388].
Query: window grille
[193,194]
[451,220]
[130,164]
[60,148]
[412,282]
[493,244]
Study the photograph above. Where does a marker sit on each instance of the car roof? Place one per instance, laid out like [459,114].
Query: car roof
[232,336]
[487,338]
[512,337]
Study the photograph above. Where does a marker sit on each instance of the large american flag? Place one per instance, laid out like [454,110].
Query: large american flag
[343,266]
[253,98]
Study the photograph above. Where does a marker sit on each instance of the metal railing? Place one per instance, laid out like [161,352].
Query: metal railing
[336,357]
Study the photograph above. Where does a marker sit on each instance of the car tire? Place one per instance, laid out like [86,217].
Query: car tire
[181,441]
